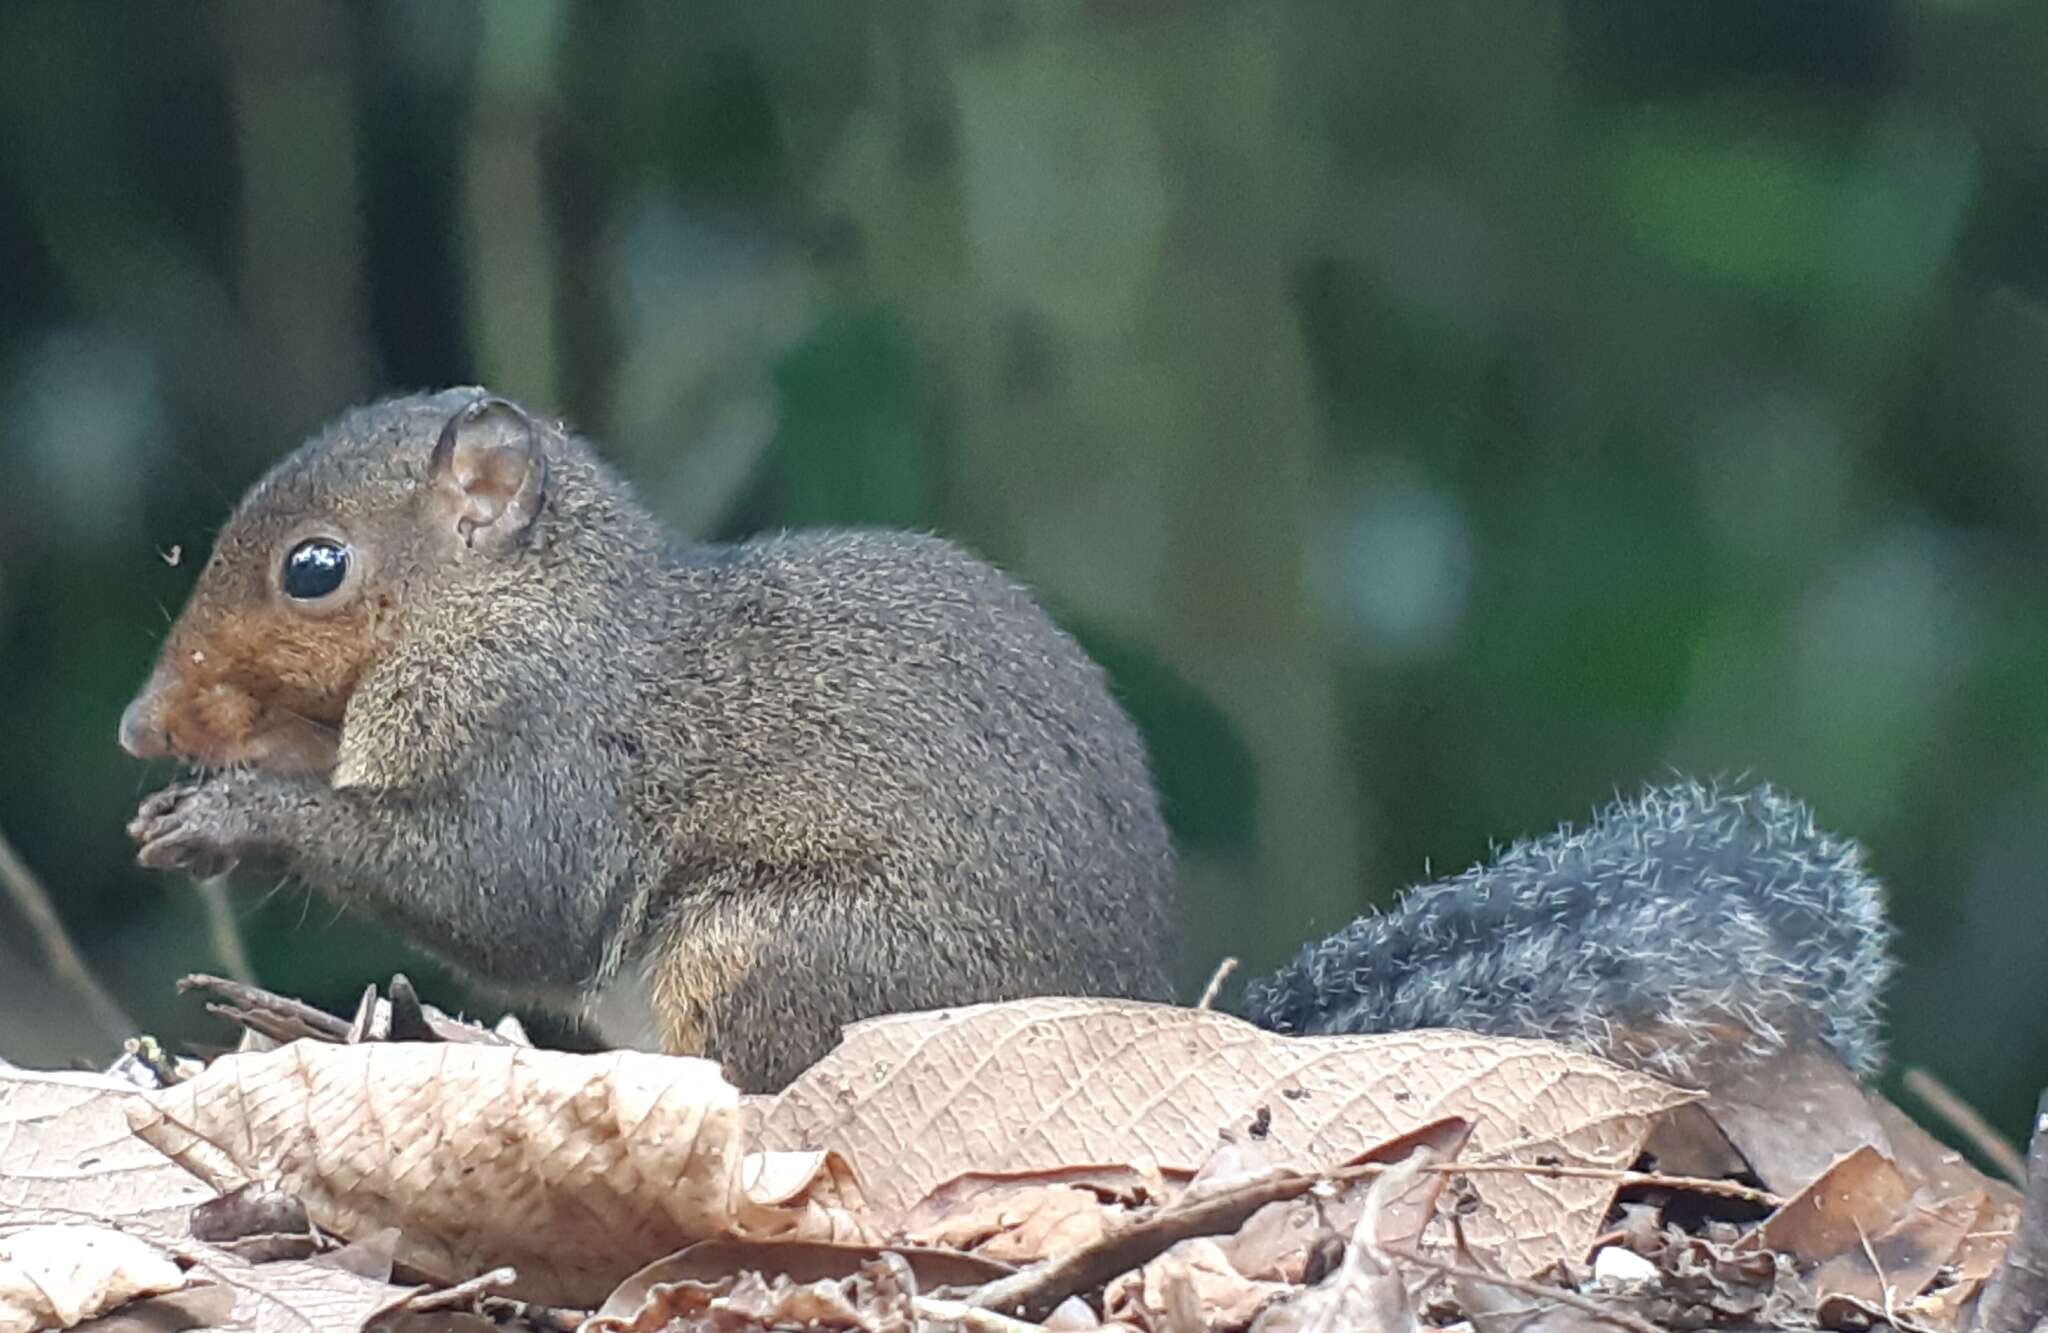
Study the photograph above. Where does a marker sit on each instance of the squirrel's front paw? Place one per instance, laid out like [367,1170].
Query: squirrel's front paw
[189,827]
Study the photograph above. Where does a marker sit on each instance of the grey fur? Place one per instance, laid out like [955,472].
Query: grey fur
[835,774]
[768,789]
[1670,924]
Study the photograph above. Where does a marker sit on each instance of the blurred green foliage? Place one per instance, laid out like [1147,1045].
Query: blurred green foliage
[1437,416]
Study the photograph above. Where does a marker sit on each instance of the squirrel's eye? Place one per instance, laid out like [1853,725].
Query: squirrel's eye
[315,568]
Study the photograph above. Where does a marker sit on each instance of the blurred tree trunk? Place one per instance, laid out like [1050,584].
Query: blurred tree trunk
[302,282]
[505,210]
[1019,186]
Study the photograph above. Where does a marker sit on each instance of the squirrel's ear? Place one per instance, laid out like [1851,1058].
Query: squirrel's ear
[489,474]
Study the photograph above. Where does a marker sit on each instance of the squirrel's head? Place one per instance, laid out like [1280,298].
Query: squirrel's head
[310,581]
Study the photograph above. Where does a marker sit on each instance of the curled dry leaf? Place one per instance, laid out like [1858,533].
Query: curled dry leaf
[575,1170]
[58,1276]
[258,1209]
[915,1100]
[1705,1283]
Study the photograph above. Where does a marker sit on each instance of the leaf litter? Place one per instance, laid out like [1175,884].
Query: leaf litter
[1059,1160]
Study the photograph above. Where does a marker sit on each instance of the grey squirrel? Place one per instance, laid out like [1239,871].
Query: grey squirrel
[726,799]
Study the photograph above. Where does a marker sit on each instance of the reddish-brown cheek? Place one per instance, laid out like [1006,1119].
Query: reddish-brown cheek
[205,720]
[267,688]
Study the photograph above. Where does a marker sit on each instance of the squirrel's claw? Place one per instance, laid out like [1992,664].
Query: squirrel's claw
[175,834]
[155,806]
[196,858]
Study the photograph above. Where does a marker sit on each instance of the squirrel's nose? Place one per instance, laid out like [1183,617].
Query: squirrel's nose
[140,734]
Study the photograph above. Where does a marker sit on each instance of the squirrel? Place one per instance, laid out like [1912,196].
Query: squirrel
[725,799]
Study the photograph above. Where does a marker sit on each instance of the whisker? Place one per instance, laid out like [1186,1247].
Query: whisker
[263,900]
[325,728]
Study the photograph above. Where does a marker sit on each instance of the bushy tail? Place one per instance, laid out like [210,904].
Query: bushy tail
[1680,929]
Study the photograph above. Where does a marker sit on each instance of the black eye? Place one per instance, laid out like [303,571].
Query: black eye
[315,568]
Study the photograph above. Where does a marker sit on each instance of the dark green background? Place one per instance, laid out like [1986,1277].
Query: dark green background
[1438,415]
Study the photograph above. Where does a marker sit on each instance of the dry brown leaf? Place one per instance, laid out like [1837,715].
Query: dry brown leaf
[1193,1274]
[1112,1184]
[373,1256]
[1012,1221]
[915,1100]
[296,1295]
[1896,1264]
[1794,1115]
[1367,1289]
[65,1148]
[1929,1164]
[1859,1196]
[1975,1259]
[1215,1207]
[1021,1217]
[1687,1141]
[576,1170]
[207,1307]
[879,1296]
[712,1261]
[1276,1241]
[1709,1283]
[1180,1291]
[56,1276]
[229,1292]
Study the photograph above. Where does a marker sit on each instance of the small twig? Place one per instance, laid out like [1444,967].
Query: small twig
[2016,1294]
[1730,1189]
[1964,1120]
[1215,986]
[1035,1291]
[1583,1304]
[462,1293]
[278,1017]
[224,930]
[64,960]
[1884,1284]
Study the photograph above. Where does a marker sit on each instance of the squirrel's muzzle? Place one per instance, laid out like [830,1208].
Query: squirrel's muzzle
[142,728]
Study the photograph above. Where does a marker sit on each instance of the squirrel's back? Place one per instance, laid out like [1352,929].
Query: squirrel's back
[886,696]
[1679,929]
